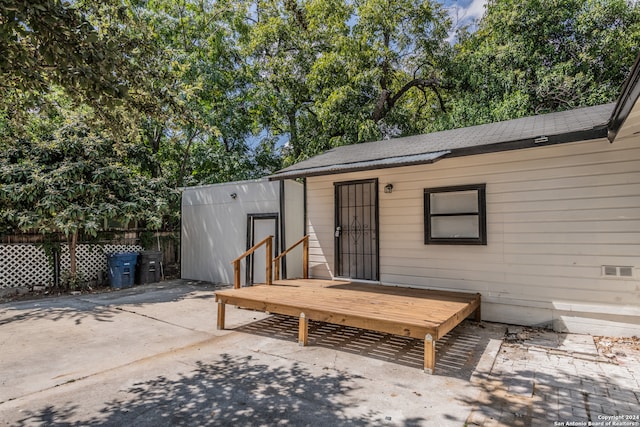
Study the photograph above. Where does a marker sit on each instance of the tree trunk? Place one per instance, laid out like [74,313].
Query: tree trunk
[156,170]
[185,159]
[293,133]
[73,264]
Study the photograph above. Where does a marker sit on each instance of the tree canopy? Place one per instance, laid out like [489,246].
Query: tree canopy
[530,57]
[64,175]
[188,92]
[53,42]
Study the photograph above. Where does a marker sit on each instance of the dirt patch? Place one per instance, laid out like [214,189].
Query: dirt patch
[619,349]
[522,334]
[35,293]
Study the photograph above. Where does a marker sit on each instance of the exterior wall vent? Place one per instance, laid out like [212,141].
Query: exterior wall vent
[625,271]
[617,271]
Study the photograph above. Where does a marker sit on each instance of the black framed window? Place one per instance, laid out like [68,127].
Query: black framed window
[455,215]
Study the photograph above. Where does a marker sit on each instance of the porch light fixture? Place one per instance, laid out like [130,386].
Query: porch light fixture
[388,188]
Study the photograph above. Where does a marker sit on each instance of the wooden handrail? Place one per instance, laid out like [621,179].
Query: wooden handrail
[236,262]
[305,258]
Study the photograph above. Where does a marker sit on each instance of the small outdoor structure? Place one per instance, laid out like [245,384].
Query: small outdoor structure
[415,313]
[221,221]
[539,215]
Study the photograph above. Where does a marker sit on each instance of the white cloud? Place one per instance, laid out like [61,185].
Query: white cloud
[476,8]
[464,12]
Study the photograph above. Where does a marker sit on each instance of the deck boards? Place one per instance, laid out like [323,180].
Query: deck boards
[416,313]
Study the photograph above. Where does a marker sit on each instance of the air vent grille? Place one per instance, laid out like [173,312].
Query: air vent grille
[617,271]
[626,271]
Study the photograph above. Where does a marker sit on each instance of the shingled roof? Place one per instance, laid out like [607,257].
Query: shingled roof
[555,128]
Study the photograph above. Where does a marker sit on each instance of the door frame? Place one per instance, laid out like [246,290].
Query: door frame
[251,218]
[336,240]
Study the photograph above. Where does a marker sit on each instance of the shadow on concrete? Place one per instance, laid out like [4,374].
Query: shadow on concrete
[103,307]
[457,353]
[231,391]
[76,314]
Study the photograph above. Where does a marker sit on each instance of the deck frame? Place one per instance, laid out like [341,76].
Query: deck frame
[418,313]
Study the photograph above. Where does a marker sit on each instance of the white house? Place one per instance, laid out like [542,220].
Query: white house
[540,215]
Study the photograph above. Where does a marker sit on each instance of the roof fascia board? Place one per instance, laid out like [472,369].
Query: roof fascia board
[354,167]
[563,138]
[582,135]
[627,99]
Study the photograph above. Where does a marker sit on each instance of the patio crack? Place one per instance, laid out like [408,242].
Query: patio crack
[292,359]
[156,319]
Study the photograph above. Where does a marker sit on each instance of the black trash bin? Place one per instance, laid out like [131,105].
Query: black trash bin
[148,269]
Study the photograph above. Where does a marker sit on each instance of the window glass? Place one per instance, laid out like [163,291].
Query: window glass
[455,227]
[454,202]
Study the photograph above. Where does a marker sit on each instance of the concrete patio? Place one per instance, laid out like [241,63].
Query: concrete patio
[151,355]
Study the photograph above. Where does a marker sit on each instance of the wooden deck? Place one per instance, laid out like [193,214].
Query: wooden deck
[416,313]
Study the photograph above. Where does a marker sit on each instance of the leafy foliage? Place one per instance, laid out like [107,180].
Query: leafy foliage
[73,180]
[204,71]
[530,57]
[66,176]
[343,72]
[169,93]
[52,41]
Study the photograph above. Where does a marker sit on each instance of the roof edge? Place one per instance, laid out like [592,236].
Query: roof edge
[627,99]
[562,138]
[411,160]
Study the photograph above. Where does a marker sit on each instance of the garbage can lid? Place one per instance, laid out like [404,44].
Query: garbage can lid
[150,252]
[121,254]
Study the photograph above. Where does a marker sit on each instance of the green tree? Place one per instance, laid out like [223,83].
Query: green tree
[52,41]
[67,176]
[404,50]
[200,42]
[103,54]
[285,39]
[337,72]
[530,57]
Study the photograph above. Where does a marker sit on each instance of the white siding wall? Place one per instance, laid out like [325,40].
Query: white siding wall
[555,215]
[214,225]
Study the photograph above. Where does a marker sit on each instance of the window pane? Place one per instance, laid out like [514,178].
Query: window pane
[454,202]
[455,227]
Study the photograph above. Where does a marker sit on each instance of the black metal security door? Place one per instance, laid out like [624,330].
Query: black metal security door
[356,232]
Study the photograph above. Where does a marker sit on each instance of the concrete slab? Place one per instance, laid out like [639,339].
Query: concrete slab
[49,342]
[152,356]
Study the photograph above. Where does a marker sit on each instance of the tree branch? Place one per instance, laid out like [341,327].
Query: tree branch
[420,83]
[185,158]
[386,102]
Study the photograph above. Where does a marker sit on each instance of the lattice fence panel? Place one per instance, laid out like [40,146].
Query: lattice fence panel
[24,265]
[28,265]
[92,258]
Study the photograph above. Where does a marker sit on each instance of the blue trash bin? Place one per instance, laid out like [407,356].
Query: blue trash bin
[122,269]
